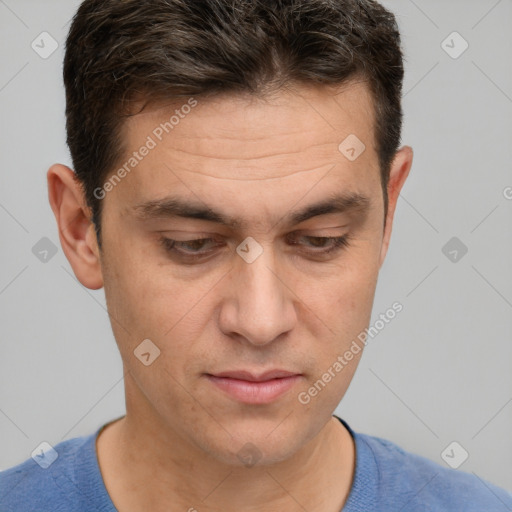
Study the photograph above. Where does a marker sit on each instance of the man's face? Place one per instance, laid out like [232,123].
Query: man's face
[209,308]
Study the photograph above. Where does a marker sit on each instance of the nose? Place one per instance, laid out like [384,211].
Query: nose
[259,304]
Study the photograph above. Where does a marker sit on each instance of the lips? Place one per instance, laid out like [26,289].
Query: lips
[249,388]
[247,376]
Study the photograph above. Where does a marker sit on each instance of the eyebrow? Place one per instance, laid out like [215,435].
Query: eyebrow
[171,207]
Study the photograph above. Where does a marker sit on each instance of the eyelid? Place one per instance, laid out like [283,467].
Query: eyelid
[214,238]
[223,233]
[192,235]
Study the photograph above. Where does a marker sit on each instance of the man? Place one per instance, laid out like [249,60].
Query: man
[236,173]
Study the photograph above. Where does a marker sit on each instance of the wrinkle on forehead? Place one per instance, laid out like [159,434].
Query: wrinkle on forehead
[244,139]
[327,167]
[269,165]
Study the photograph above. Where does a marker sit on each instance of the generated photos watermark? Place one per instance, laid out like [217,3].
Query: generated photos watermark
[151,143]
[342,361]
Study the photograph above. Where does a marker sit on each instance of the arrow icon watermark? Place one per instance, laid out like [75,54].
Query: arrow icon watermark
[146,352]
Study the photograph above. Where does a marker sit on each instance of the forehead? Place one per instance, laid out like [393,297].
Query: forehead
[237,144]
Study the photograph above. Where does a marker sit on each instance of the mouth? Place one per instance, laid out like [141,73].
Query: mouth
[249,388]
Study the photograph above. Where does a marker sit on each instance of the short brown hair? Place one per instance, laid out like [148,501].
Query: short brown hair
[161,50]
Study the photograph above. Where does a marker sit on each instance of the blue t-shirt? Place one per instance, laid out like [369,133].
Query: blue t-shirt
[387,479]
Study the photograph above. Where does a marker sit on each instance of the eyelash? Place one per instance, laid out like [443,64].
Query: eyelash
[338,243]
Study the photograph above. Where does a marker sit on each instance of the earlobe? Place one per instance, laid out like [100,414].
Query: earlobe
[400,168]
[76,231]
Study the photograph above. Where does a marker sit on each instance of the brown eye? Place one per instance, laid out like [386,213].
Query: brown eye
[191,249]
[323,245]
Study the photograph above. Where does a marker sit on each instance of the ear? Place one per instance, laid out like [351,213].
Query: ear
[398,174]
[76,230]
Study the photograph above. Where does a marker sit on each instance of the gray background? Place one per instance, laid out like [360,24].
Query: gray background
[439,372]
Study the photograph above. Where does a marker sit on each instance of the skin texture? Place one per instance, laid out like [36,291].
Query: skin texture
[257,160]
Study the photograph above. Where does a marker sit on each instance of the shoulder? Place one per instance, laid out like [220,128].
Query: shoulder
[49,479]
[421,484]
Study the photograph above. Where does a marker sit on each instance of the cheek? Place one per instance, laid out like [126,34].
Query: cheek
[146,303]
[343,307]
[151,300]
[343,297]
[342,303]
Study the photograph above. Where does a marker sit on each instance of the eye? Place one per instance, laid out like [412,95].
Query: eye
[189,249]
[201,248]
[322,245]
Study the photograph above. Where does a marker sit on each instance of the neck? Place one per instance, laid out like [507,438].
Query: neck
[146,467]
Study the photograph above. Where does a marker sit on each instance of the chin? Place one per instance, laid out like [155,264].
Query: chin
[257,446]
